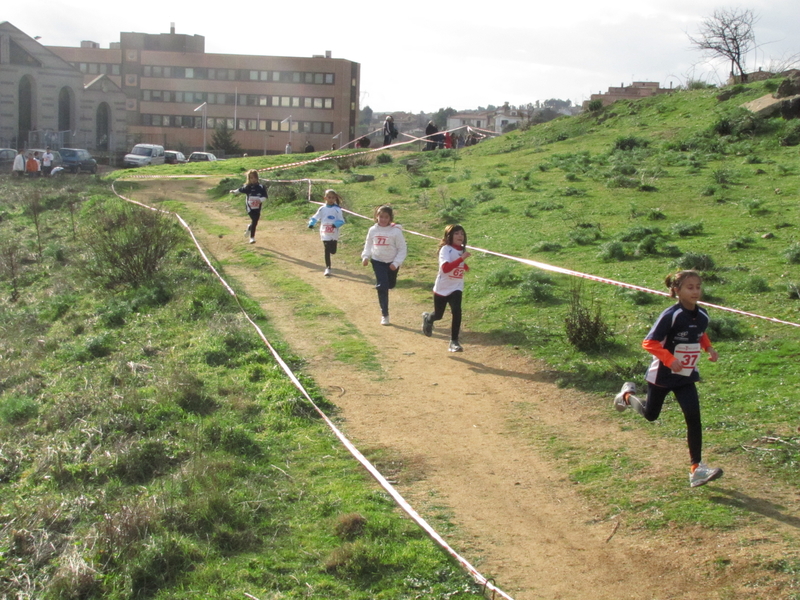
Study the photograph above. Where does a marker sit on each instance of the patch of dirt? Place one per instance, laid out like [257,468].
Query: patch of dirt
[452,421]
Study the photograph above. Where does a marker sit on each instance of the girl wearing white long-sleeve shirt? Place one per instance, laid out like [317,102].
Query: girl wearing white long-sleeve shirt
[386,249]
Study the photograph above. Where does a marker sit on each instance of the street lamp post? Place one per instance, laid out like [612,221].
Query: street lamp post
[289,120]
[204,106]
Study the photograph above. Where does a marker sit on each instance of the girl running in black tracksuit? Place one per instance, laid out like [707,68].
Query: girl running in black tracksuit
[255,195]
[676,341]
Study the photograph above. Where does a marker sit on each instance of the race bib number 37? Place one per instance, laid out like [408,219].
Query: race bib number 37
[688,354]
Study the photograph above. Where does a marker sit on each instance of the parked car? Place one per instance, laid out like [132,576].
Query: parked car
[143,155]
[7,156]
[77,160]
[173,157]
[201,156]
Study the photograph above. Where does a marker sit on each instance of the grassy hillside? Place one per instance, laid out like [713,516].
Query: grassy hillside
[631,192]
[149,445]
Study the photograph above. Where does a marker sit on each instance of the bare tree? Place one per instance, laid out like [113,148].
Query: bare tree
[728,33]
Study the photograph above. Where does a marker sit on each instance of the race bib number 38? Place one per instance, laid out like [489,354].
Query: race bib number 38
[688,354]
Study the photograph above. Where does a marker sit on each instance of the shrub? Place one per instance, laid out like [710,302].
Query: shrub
[537,286]
[127,244]
[583,236]
[16,410]
[708,191]
[740,243]
[637,233]
[726,328]
[585,326]
[505,276]
[793,291]
[723,176]
[384,158]
[686,229]
[571,191]
[648,246]
[618,251]
[499,209]
[483,196]
[755,207]
[655,214]
[756,285]
[547,247]
[393,189]
[699,262]
[595,105]
[792,254]
[455,210]
[629,143]
[423,182]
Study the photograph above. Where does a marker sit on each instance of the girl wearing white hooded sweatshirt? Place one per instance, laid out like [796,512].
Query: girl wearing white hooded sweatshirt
[385,248]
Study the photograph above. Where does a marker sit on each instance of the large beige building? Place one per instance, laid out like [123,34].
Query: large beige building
[45,101]
[171,84]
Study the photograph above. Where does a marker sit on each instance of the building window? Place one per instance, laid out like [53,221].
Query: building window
[309,78]
[157,72]
[329,78]
[328,102]
[285,100]
[263,75]
[103,69]
[317,102]
[148,71]
[242,124]
[83,67]
[188,73]
[145,95]
[262,100]
[252,125]
[166,97]
[115,69]
[253,75]
[318,78]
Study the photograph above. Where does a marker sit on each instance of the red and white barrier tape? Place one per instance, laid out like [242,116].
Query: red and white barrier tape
[398,498]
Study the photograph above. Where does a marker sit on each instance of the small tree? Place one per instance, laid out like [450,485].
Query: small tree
[728,33]
[224,142]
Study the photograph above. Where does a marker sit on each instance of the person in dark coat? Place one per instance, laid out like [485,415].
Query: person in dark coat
[389,130]
[430,134]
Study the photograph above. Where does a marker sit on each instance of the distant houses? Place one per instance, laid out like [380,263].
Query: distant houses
[634,91]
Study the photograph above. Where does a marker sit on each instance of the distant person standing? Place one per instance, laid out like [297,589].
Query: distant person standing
[389,130]
[430,134]
[32,165]
[18,168]
[47,162]
[309,147]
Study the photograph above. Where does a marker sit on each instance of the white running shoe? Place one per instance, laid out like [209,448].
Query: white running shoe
[247,231]
[385,320]
[327,272]
[454,347]
[703,474]
[252,240]
[621,402]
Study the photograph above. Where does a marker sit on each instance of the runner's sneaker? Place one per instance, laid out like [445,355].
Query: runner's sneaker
[247,231]
[455,347]
[327,272]
[621,402]
[252,240]
[702,474]
[385,320]
[427,325]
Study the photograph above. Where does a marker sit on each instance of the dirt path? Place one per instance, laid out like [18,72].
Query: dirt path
[454,421]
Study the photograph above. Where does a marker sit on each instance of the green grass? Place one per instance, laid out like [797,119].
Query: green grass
[150,447]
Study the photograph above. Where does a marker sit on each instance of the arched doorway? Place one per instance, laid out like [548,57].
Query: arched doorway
[103,126]
[26,109]
[65,109]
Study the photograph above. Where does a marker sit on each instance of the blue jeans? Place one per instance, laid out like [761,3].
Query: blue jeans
[385,280]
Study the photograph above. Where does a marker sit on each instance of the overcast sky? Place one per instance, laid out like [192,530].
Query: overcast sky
[422,56]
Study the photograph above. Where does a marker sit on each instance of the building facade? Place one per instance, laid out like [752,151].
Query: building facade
[176,94]
[45,101]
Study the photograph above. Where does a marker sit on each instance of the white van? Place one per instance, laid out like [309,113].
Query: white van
[143,155]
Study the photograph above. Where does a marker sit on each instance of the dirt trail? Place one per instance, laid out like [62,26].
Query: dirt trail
[454,420]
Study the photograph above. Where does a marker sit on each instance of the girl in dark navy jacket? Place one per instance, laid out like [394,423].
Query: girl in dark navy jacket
[255,195]
[676,342]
